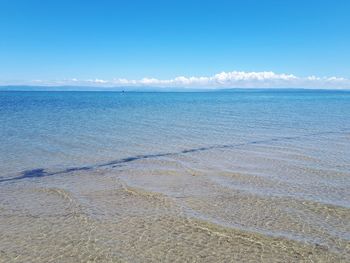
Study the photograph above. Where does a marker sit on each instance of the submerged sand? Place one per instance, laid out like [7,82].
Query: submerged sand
[163,210]
[239,176]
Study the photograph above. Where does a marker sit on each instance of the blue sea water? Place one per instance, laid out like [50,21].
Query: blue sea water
[64,129]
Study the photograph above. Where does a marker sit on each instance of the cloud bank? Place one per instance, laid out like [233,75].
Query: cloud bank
[234,79]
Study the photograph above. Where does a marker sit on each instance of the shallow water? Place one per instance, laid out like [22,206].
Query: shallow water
[198,177]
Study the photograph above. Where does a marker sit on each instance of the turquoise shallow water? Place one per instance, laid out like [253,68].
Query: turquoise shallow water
[83,165]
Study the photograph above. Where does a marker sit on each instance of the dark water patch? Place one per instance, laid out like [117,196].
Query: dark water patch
[33,173]
[75,169]
[40,172]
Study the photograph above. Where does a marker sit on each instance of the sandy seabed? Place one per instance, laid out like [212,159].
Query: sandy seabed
[165,210]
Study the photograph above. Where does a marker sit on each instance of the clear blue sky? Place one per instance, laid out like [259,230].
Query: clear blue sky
[163,39]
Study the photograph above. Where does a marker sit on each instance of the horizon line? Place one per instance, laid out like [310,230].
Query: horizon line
[68,88]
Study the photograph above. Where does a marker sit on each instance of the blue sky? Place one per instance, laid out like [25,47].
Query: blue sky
[103,41]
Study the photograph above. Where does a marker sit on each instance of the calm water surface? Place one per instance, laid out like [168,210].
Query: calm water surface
[217,176]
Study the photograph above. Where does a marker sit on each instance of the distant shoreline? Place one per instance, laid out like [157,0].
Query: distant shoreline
[156,89]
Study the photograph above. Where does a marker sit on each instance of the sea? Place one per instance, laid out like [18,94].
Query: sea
[219,176]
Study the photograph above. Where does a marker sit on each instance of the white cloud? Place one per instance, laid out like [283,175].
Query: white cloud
[224,79]
[96,81]
[240,79]
[234,79]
